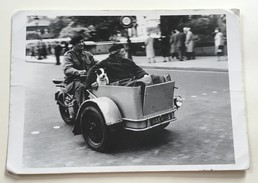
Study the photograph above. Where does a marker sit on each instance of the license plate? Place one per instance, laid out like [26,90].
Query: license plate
[160,119]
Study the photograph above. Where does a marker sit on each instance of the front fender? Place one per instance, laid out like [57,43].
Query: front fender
[59,94]
[106,106]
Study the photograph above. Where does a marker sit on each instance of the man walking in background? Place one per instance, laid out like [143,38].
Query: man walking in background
[180,43]
[58,51]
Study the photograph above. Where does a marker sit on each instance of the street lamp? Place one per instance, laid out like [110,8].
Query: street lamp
[36,20]
[39,49]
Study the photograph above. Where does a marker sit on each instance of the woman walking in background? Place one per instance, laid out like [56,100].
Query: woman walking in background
[219,45]
[150,53]
[189,44]
[173,42]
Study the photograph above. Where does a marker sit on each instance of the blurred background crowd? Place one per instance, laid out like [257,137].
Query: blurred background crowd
[46,35]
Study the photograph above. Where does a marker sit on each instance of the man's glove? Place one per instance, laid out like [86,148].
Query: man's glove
[94,85]
[82,72]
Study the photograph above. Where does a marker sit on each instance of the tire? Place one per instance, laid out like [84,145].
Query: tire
[65,115]
[94,129]
[64,111]
[164,125]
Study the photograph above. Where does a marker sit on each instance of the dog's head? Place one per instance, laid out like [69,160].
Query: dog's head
[101,73]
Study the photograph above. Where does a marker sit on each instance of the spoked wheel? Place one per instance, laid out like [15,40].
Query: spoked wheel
[94,129]
[64,111]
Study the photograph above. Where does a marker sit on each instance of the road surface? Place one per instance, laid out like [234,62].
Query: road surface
[202,133]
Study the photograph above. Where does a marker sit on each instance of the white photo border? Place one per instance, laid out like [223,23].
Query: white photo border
[16,125]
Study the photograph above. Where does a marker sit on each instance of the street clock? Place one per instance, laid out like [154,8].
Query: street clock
[126,21]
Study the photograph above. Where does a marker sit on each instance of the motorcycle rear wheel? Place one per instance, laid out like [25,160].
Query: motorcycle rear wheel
[65,115]
[64,111]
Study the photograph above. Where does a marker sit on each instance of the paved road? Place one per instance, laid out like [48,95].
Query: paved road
[201,135]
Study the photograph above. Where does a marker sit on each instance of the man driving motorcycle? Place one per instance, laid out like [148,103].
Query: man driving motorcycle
[76,63]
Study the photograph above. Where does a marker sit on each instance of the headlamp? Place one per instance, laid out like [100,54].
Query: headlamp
[178,101]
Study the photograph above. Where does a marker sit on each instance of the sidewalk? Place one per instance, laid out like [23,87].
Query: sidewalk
[204,63]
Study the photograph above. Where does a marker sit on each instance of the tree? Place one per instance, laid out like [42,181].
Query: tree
[57,26]
[71,31]
[104,26]
[99,28]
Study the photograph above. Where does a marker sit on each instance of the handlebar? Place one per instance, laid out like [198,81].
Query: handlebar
[60,85]
[58,81]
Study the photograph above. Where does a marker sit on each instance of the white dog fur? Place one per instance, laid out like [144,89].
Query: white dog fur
[102,78]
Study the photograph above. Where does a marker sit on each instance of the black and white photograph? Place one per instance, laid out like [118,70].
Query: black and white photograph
[126,91]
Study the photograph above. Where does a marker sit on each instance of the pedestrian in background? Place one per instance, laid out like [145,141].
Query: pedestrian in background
[58,51]
[49,48]
[149,47]
[129,48]
[165,48]
[32,51]
[219,44]
[189,43]
[66,47]
[180,43]
[44,50]
[173,42]
[39,49]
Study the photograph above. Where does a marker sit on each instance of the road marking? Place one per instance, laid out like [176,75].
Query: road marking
[204,93]
[203,127]
[194,96]
[214,92]
[56,127]
[69,164]
[207,141]
[35,133]
[156,152]
[137,160]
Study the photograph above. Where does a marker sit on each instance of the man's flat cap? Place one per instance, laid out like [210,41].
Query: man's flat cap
[76,39]
[115,47]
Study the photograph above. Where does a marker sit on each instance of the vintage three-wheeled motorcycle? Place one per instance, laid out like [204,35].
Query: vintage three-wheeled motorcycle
[135,108]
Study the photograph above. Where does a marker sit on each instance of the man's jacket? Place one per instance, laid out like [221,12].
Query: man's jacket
[116,69]
[75,61]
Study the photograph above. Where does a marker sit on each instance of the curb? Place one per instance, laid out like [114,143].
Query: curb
[39,62]
[157,67]
[184,68]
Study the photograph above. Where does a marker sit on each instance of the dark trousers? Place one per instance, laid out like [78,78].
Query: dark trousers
[175,54]
[190,55]
[181,53]
[78,89]
[57,59]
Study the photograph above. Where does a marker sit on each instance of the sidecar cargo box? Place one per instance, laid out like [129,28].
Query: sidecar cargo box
[158,97]
[134,103]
